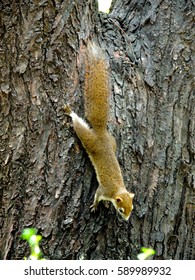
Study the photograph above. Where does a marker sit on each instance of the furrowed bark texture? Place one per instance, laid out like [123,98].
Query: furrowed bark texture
[46,178]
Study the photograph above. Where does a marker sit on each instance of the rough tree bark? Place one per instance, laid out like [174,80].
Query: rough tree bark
[46,178]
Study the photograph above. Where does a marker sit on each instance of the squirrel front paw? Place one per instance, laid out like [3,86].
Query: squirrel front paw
[93,207]
[67,109]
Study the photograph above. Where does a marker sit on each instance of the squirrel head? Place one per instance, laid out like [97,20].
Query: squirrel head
[123,203]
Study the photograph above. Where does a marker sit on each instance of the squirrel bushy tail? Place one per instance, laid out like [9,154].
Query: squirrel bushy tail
[97,88]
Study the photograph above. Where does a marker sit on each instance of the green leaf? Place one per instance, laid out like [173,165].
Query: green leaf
[146,253]
[30,235]
[34,240]
[27,233]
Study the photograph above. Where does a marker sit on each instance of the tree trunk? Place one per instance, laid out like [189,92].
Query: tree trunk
[46,178]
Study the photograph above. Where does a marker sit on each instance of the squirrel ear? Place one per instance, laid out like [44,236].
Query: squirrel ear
[132,195]
[118,199]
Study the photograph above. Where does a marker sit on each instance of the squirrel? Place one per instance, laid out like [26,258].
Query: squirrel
[98,142]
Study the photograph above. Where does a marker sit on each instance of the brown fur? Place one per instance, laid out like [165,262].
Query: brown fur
[98,142]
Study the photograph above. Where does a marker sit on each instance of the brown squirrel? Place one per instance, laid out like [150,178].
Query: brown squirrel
[98,142]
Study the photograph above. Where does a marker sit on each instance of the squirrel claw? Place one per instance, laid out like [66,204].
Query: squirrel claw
[93,208]
[67,109]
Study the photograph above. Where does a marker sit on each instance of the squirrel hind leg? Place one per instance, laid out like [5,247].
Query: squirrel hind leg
[83,131]
[75,118]
[67,110]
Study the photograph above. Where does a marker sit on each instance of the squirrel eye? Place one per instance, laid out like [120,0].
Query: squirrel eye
[121,210]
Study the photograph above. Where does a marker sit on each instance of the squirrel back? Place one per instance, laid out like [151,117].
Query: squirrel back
[97,88]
